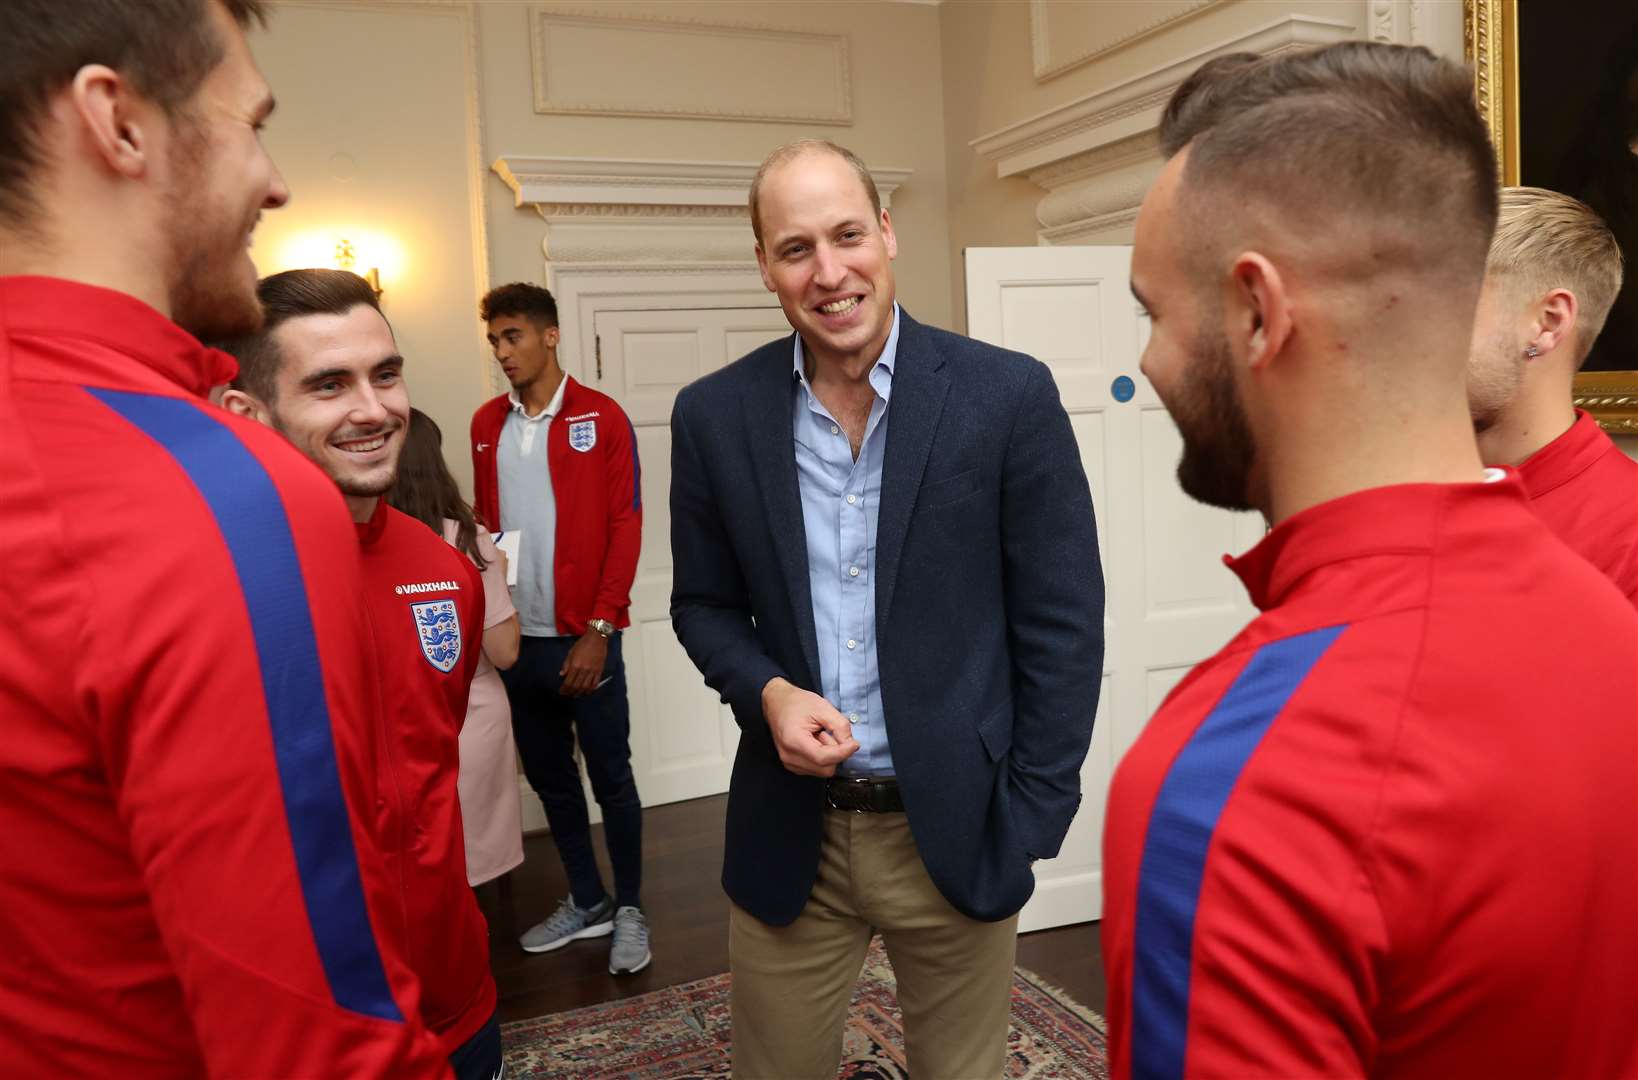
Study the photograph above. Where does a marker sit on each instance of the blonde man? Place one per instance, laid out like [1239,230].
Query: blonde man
[1553,272]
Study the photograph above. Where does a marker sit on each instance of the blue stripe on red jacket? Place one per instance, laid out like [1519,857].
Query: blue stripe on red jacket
[250,513]
[1181,825]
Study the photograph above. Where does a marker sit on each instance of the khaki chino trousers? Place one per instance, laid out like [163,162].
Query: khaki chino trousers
[792,984]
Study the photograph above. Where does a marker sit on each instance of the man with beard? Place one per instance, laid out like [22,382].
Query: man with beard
[1553,273]
[1346,844]
[556,463]
[324,371]
[189,880]
[886,563]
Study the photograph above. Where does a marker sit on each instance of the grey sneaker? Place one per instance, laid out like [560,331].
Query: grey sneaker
[569,923]
[629,953]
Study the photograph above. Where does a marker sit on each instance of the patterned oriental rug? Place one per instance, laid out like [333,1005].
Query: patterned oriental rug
[682,1033]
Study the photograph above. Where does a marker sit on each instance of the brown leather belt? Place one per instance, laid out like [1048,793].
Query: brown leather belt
[864,794]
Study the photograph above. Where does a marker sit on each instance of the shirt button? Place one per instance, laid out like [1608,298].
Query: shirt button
[853,718]
[834,430]
[851,643]
[853,571]
[851,499]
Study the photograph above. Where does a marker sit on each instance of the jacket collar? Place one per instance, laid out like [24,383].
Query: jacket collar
[69,310]
[1566,457]
[1404,519]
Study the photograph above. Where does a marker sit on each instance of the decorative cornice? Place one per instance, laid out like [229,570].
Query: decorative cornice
[1133,107]
[1143,148]
[1040,34]
[631,187]
[1117,191]
[1092,229]
[566,211]
[721,243]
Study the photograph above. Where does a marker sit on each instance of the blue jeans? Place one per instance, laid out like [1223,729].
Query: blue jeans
[546,725]
[479,1058]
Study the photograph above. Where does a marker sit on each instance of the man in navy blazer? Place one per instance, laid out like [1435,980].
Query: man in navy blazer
[885,560]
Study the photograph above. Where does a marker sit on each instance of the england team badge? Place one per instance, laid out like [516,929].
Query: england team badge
[583,435]
[440,629]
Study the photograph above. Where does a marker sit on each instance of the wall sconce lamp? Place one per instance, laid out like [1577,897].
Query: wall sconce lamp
[347,256]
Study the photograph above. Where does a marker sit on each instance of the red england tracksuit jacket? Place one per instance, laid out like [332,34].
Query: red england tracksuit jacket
[424,602]
[189,877]
[1586,490]
[1391,829]
[599,501]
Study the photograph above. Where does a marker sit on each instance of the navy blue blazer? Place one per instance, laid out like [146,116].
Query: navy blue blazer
[989,612]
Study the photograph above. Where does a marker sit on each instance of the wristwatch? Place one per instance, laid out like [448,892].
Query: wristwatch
[602,626]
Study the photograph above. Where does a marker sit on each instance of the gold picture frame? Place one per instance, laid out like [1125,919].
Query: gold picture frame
[1490,35]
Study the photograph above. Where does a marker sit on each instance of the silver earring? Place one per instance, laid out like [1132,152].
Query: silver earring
[1532,352]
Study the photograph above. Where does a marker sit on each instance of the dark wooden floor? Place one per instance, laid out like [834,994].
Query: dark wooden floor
[688,917]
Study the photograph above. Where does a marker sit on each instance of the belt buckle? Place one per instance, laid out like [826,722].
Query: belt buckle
[861,783]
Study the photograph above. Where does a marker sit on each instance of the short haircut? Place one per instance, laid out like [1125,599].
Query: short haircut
[165,48]
[285,296]
[793,150]
[1357,134]
[519,299]
[1546,240]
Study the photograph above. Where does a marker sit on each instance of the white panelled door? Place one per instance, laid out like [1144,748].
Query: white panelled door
[1170,602]
[682,737]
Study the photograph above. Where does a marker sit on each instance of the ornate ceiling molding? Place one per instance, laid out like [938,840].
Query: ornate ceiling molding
[1133,107]
[1097,156]
[578,186]
[639,214]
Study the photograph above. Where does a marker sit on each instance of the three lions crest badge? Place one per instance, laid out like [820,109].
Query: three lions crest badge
[439,626]
[583,435]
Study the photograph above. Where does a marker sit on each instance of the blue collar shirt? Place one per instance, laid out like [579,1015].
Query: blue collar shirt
[841,497]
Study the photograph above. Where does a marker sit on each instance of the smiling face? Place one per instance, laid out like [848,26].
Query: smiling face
[524,350]
[828,255]
[341,398]
[220,180]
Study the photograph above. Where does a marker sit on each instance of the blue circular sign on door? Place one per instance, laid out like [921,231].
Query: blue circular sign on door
[1123,388]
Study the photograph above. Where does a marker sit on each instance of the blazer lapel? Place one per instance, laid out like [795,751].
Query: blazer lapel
[773,453]
[919,388]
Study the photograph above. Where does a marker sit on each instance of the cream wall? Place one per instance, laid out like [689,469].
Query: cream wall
[391,112]
[898,122]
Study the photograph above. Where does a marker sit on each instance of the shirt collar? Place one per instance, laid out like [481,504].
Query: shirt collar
[1399,519]
[58,308]
[553,407]
[1566,457]
[881,374]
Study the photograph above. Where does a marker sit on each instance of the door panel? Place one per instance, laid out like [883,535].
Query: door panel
[682,737]
[1170,602]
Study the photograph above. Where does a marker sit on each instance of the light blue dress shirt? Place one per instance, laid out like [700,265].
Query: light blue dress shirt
[840,501]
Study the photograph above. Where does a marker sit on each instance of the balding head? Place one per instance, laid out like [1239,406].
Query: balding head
[798,148]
